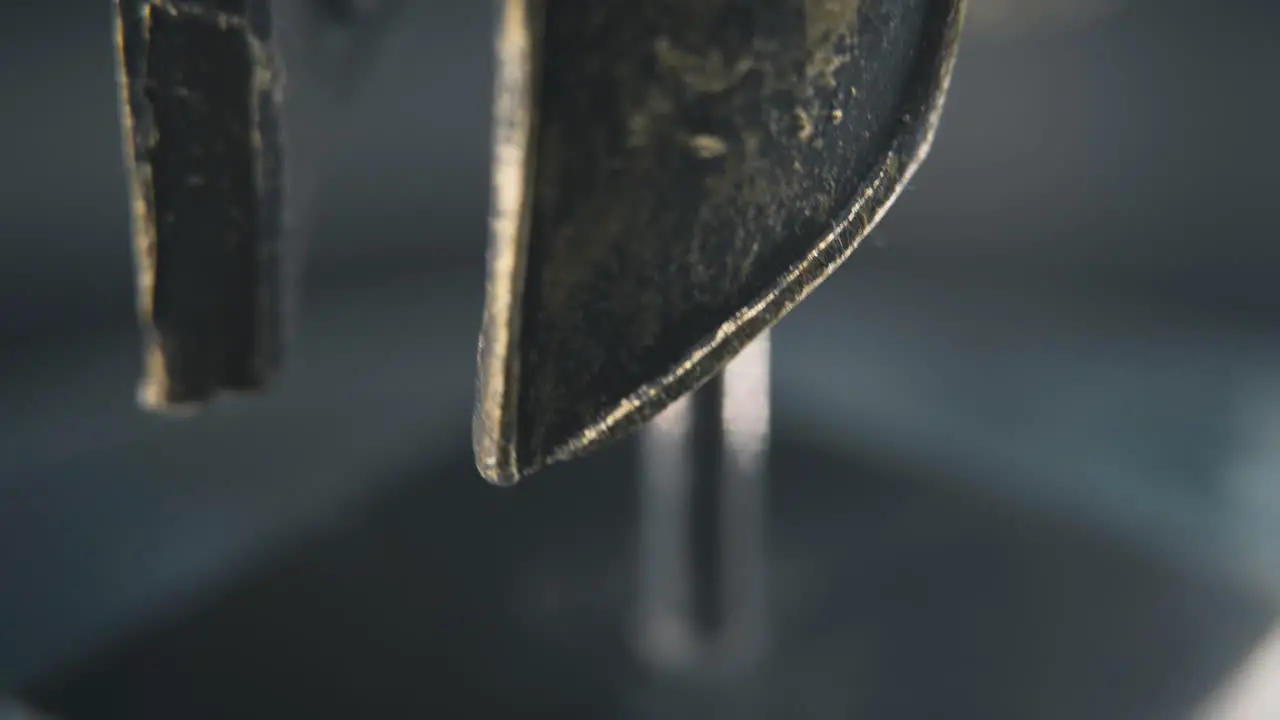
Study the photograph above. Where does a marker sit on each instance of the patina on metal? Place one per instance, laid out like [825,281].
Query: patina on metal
[206,129]
[670,178]
[200,103]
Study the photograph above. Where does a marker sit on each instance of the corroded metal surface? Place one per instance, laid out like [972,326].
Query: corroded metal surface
[671,177]
[200,98]
[221,166]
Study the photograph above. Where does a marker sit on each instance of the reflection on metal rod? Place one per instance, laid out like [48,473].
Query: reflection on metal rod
[703,602]
[1251,692]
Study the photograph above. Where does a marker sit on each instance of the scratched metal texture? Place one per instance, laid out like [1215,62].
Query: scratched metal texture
[695,169]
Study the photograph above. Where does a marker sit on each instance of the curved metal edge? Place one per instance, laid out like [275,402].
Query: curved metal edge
[493,428]
[153,388]
[704,361]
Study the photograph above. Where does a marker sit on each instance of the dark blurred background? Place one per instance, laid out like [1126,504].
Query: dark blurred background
[1024,453]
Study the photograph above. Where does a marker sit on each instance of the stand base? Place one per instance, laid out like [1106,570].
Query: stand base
[892,596]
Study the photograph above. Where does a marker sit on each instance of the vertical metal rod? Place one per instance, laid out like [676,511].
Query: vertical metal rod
[703,601]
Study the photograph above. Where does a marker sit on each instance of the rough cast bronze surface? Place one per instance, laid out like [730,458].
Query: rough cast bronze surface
[199,93]
[221,168]
[670,178]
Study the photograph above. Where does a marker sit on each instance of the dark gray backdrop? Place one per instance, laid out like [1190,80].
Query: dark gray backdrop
[1063,340]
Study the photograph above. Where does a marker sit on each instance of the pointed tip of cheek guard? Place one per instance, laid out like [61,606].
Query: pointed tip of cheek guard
[670,178]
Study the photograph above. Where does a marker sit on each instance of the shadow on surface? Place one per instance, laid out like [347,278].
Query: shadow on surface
[893,598]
